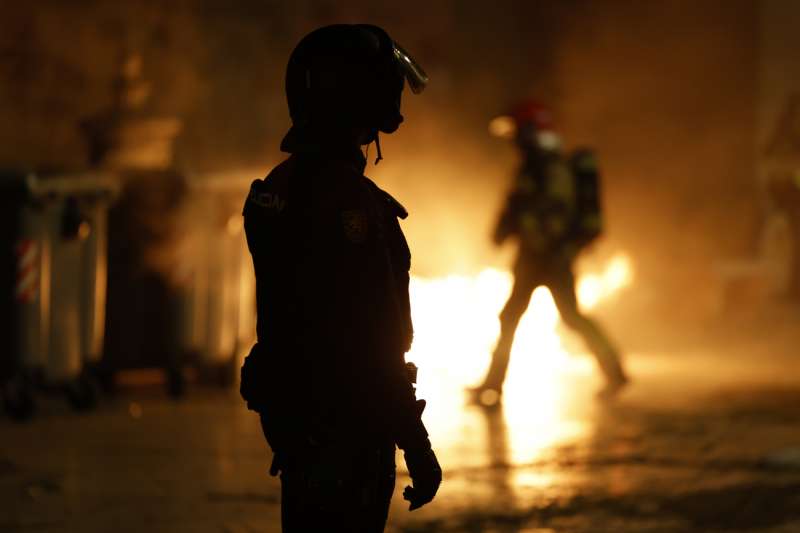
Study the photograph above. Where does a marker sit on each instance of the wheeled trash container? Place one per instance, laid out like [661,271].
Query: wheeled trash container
[54,285]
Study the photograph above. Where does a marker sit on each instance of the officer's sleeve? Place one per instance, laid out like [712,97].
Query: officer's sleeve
[409,431]
[265,375]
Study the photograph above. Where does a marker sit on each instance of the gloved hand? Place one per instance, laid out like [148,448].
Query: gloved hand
[426,476]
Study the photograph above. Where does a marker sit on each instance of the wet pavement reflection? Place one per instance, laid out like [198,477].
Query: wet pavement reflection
[682,450]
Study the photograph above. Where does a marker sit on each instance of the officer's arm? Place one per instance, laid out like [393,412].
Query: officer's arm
[264,384]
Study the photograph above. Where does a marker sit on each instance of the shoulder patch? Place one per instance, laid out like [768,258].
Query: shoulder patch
[266,199]
[355,225]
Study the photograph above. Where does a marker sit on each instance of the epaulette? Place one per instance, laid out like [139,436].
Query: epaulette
[397,208]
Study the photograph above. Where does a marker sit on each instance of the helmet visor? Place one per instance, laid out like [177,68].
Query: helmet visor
[415,76]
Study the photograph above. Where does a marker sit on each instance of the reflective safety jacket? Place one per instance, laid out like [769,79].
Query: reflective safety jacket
[334,321]
[554,206]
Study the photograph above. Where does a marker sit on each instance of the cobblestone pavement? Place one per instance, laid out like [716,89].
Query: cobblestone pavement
[698,443]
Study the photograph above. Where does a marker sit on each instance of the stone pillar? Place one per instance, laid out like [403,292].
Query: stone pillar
[778,140]
[126,136]
[146,229]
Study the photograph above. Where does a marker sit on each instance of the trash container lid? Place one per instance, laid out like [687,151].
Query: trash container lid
[72,184]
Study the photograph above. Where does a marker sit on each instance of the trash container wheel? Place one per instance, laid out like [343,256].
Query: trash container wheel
[82,393]
[176,382]
[223,375]
[18,399]
[228,372]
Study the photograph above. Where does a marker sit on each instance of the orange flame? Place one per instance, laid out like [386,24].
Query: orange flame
[456,327]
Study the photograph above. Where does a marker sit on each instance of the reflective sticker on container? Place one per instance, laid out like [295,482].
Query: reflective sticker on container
[26,253]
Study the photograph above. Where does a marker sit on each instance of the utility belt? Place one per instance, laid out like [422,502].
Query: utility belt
[264,390]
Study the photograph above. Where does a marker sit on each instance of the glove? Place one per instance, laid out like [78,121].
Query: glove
[426,476]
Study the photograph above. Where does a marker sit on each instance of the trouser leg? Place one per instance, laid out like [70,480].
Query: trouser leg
[562,287]
[354,501]
[517,304]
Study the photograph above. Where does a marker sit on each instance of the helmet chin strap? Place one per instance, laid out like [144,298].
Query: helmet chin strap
[376,137]
[378,147]
[389,125]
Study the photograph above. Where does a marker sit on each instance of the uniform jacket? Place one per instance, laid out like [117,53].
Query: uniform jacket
[334,322]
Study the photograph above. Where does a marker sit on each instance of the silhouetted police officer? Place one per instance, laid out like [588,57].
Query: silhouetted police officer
[554,212]
[328,374]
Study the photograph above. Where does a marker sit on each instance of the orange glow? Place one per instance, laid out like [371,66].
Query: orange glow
[456,327]
[503,127]
[596,287]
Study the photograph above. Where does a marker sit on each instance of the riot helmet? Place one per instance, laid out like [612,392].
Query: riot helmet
[351,76]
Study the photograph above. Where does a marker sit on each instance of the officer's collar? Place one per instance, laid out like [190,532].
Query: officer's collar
[303,142]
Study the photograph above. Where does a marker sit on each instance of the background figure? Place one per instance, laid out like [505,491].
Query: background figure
[328,375]
[554,212]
